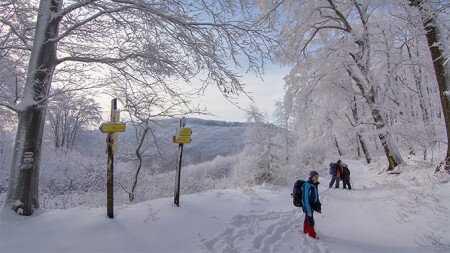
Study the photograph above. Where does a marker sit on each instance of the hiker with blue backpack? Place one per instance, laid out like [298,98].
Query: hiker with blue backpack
[306,195]
[336,172]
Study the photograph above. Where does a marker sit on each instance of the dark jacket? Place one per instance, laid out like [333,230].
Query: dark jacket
[310,198]
[346,173]
[333,168]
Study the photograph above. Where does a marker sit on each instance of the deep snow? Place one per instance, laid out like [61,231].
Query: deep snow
[393,215]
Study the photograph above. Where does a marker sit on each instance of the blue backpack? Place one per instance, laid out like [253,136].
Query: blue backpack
[297,193]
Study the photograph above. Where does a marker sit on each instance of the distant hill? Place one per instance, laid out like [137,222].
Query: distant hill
[210,138]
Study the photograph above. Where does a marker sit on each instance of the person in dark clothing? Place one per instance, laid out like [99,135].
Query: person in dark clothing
[335,172]
[346,177]
[311,203]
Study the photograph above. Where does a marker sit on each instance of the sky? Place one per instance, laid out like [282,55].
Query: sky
[264,92]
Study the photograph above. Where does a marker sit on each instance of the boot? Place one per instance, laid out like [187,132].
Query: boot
[312,232]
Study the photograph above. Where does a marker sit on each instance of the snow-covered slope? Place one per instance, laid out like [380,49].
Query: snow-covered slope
[378,216]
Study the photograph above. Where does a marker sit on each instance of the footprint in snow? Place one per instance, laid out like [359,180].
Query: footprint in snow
[267,232]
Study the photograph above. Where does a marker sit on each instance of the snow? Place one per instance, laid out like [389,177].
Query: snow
[384,213]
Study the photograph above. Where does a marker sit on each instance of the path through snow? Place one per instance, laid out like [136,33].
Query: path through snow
[365,219]
[375,217]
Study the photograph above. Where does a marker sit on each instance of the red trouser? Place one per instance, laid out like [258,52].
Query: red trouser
[308,225]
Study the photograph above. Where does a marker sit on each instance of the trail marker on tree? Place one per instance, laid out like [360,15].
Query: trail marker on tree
[111,128]
[182,135]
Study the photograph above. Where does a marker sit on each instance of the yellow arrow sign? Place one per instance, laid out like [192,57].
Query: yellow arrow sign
[185,132]
[112,127]
[182,139]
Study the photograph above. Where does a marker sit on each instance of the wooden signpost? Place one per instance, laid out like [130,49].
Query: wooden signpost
[111,128]
[181,137]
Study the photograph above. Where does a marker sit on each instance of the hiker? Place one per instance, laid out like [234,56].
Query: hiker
[311,203]
[336,173]
[346,176]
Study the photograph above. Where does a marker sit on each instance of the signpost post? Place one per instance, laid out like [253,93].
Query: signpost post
[181,137]
[111,128]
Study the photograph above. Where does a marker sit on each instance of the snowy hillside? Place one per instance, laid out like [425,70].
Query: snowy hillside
[210,138]
[76,176]
[378,216]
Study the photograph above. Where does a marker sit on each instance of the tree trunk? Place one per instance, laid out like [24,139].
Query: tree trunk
[363,80]
[364,148]
[425,108]
[358,133]
[131,195]
[441,69]
[337,146]
[390,149]
[22,194]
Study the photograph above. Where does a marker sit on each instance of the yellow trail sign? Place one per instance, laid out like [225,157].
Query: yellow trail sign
[182,139]
[183,131]
[111,127]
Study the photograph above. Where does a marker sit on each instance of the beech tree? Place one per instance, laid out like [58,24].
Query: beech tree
[139,40]
[339,31]
[436,43]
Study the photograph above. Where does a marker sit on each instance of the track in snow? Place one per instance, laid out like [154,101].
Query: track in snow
[268,232]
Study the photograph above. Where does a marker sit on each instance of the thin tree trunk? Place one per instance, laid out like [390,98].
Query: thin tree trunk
[22,194]
[337,146]
[131,195]
[358,148]
[426,114]
[364,148]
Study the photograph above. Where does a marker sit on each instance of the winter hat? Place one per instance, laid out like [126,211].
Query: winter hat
[339,161]
[313,173]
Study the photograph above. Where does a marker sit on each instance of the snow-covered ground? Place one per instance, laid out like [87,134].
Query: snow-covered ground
[385,213]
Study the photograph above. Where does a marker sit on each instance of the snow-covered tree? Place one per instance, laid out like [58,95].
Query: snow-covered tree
[139,40]
[356,46]
[144,106]
[69,113]
[437,32]
[263,161]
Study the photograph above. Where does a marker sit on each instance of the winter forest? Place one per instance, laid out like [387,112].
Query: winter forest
[368,83]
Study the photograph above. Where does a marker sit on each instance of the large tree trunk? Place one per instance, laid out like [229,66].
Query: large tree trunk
[22,194]
[390,149]
[441,68]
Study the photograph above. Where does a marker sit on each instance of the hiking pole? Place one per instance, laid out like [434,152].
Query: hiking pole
[353,187]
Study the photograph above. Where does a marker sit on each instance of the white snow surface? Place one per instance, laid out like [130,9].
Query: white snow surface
[395,215]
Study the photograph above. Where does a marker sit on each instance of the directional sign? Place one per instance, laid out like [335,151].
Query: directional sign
[112,127]
[182,139]
[184,132]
